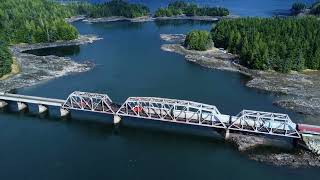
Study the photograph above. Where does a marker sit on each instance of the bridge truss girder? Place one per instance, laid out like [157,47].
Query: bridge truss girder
[264,123]
[172,110]
[92,102]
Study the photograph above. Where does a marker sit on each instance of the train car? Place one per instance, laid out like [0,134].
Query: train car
[308,129]
[252,122]
[181,114]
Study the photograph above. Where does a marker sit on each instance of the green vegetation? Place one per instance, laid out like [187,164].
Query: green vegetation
[5,60]
[189,9]
[198,40]
[282,44]
[298,7]
[112,8]
[31,21]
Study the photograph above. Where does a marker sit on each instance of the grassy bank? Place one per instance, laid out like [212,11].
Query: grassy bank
[15,69]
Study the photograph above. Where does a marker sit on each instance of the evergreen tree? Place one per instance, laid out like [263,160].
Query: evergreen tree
[282,44]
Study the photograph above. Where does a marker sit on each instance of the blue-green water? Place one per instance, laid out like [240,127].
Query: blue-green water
[129,62]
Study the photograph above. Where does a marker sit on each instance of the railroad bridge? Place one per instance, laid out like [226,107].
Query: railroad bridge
[166,110]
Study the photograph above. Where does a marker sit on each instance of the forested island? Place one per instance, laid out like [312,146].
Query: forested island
[189,9]
[111,8]
[280,44]
[31,21]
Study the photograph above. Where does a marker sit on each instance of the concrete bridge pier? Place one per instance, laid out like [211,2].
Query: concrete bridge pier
[116,119]
[227,134]
[21,106]
[64,112]
[3,104]
[42,108]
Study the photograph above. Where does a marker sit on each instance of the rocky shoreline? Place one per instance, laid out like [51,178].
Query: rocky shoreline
[35,69]
[275,151]
[300,91]
[146,18]
[294,160]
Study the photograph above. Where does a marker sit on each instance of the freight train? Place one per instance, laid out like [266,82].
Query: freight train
[248,122]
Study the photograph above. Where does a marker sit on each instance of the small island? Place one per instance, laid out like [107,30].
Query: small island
[180,8]
[112,8]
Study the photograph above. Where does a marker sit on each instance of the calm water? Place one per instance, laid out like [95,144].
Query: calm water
[129,62]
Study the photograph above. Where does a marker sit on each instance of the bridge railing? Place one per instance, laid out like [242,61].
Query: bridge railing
[172,110]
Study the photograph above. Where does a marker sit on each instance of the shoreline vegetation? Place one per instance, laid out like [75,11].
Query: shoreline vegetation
[178,8]
[111,8]
[15,69]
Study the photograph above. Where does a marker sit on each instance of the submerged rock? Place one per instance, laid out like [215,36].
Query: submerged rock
[118,18]
[246,142]
[82,39]
[294,160]
[175,38]
[36,69]
[147,18]
[312,143]
[75,18]
[276,151]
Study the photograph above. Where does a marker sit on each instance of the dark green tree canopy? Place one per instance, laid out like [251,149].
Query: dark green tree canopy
[180,7]
[198,40]
[282,44]
[111,8]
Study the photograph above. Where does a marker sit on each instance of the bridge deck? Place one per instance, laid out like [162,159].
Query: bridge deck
[32,99]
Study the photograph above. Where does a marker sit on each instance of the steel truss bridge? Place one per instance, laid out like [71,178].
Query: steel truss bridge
[169,110]
[184,112]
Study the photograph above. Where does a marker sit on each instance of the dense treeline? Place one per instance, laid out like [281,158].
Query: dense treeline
[198,40]
[190,9]
[282,44]
[111,8]
[31,21]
